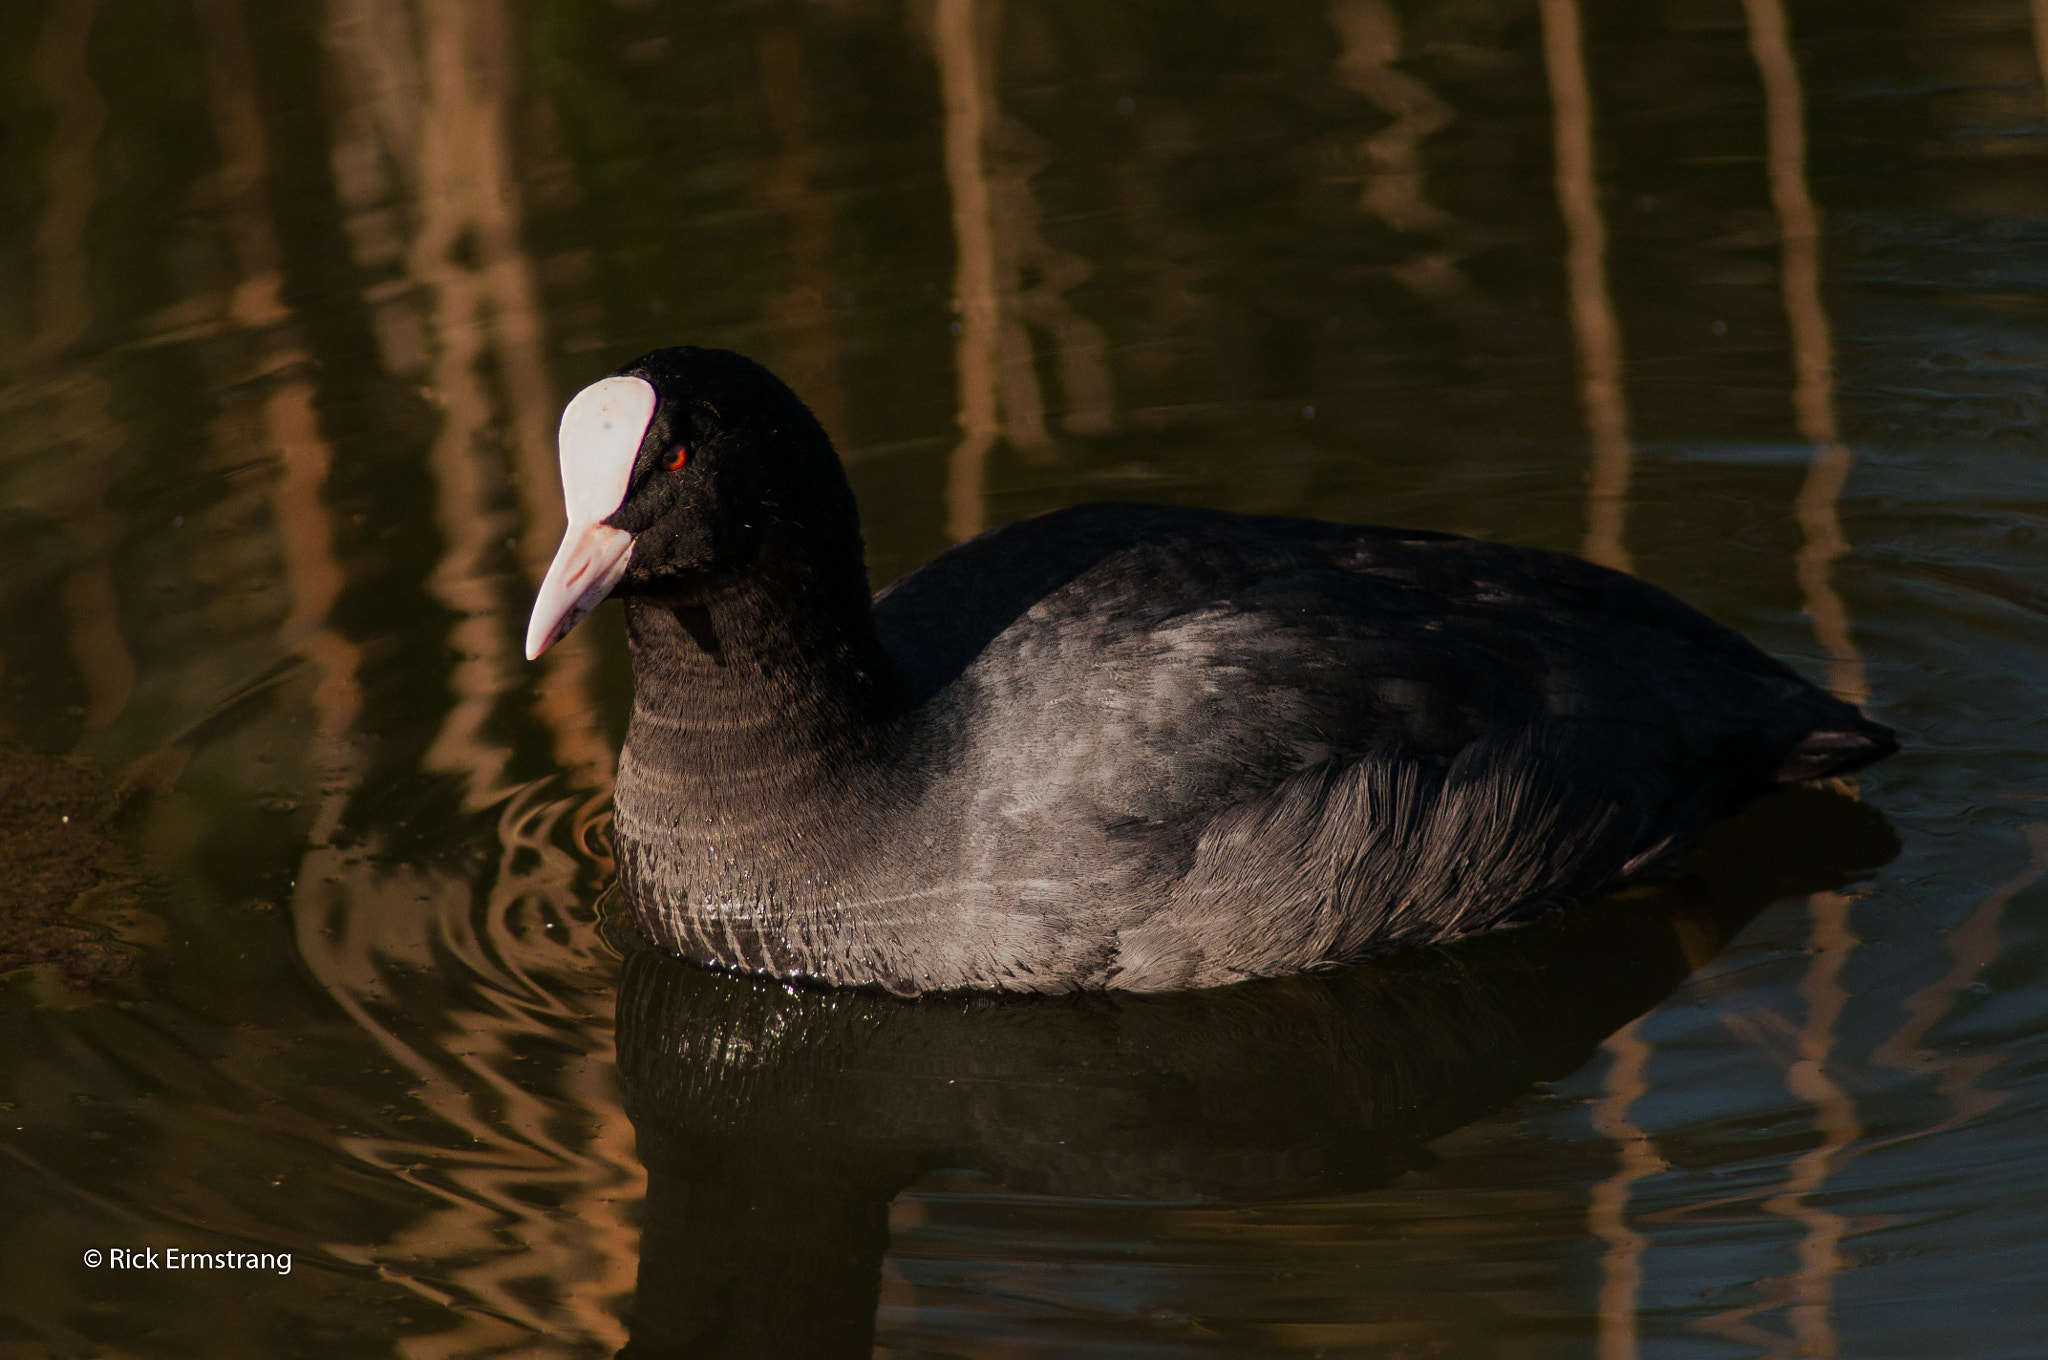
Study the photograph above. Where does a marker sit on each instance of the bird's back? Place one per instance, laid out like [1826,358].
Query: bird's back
[1237,745]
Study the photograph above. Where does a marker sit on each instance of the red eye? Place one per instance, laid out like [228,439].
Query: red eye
[677,457]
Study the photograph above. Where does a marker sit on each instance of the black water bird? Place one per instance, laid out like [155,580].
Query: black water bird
[1119,746]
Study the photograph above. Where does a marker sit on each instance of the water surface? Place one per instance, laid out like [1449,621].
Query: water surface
[1749,297]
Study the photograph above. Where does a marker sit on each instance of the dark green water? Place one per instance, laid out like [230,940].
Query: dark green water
[1750,296]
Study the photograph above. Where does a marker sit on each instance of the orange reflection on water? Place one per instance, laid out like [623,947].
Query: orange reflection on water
[527,1190]
[989,161]
[63,315]
[1807,1295]
[1594,324]
[1813,398]
[1370,33]
[1621,1265]
[965,88]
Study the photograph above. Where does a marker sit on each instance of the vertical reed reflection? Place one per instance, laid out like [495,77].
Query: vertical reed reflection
[966,75]
[1812,346]
[1813,1285]
[423,170]
[460,183]
[286,427]
[64,299]
[64,312]
[990,160]
[351,975]
[423,145]
[1597,331]
[1621,1265]
[1808,1295]
[486,307]
[2040,8]
[1078,350]
[1594,325]
[963,82]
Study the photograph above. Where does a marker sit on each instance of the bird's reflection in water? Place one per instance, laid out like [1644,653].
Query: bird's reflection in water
[777,1124]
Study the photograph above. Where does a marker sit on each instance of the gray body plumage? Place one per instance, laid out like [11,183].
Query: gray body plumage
[1151,748]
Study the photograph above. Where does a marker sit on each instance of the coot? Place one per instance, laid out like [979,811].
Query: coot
[1122,746]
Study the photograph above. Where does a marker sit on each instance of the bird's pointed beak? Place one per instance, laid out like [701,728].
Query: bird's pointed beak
[600,439]
[589,563]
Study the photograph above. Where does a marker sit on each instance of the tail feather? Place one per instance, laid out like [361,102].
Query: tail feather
[1827,752]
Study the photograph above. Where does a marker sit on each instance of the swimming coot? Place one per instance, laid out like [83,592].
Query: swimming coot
[1118,745]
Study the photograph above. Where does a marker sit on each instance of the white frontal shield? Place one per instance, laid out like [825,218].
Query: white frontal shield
[600,438]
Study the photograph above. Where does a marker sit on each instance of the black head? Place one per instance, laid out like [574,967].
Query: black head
[683,469]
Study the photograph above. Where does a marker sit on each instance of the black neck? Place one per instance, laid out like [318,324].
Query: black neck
[766,701]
